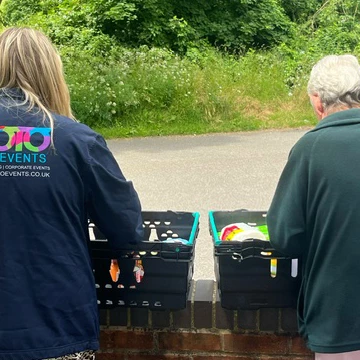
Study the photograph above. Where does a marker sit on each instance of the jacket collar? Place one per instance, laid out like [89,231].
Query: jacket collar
[12,94]
[339,118]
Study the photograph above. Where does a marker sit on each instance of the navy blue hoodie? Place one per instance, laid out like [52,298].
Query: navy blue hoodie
[48,305]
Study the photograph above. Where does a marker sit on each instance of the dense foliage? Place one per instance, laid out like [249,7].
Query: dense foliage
[134,63]
[175,24]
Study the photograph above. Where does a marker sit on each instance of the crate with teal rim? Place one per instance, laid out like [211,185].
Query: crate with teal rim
[157,272]
[250,274]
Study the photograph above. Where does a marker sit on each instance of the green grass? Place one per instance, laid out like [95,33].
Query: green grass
[153,124]
[152,92]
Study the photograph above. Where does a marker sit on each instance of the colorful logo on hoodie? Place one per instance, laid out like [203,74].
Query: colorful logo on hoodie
[20,137]
[23,144]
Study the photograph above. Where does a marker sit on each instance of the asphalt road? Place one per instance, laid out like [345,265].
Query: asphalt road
[205,172]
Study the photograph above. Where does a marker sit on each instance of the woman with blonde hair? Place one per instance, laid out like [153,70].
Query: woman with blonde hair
[55,174]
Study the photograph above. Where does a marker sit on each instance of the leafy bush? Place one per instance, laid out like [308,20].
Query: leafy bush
[333,29]
[175,24]
[300,10]
[104,92]
[19,11]
[175,66]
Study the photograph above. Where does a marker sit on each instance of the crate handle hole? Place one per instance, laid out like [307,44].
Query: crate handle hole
[266,253]
[121,302]
[157,304]
[238,257]
[153,235]
[108,286]
[133,303]
[91,232]
[259,302]
[145,303]
[294,268]
[109,302]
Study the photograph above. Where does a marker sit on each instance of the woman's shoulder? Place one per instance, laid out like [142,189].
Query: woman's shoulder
[72,128]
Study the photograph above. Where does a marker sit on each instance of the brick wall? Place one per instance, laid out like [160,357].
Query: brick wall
[203,330]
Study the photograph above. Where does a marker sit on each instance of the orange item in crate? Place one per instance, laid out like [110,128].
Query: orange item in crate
[114,270]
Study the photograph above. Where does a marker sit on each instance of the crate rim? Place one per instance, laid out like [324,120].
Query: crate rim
[215,236]
[194,227]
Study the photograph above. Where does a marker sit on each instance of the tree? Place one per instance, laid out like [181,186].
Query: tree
[233,25]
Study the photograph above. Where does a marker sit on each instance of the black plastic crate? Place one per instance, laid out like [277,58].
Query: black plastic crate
[243,268]
[168,266]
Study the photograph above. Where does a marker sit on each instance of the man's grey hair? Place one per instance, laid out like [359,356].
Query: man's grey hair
[336,80]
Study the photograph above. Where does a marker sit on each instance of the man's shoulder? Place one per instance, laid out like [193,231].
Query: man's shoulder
[307,140]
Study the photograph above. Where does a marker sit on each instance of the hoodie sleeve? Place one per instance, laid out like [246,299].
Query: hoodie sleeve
[286,218]
[113,203]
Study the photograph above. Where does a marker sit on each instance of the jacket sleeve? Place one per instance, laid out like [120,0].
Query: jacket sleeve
[113,203]
[286,218]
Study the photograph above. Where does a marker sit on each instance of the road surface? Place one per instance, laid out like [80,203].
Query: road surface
[205,172]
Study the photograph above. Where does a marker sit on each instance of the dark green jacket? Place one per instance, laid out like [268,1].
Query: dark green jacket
[315,215]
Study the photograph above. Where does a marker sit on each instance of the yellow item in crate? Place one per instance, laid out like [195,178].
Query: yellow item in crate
[241,232]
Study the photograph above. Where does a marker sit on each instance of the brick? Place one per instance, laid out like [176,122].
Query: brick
[203,299]
[107,339]
[269,320]
[133,340]
[248,320]
[139,317]
[286,358]
[257,344]
[118,316]
[224,319]
[225,357]
[298,346]
[288,321]
[189,341]
[160,319]
[110,356]
[157,357]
